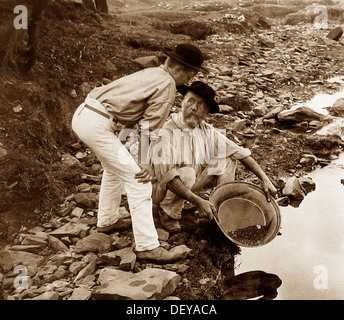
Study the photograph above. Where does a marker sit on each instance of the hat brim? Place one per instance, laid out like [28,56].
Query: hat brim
[213,105]
[169,52]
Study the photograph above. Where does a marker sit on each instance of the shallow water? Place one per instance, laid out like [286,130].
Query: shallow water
[309,255]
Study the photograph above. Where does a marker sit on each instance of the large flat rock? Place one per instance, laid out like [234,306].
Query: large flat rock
[71,229]
[149,284]
[96,242]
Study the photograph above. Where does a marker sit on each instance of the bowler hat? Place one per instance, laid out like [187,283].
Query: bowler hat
[187,54]
[204,91]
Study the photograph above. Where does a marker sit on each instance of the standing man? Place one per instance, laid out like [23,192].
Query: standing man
[146,97]
[190,153]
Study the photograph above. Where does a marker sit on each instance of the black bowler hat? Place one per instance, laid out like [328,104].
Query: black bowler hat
[187,54]
[204,91]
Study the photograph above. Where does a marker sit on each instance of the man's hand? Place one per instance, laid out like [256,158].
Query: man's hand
[269,189]
[206,208]
[146,173]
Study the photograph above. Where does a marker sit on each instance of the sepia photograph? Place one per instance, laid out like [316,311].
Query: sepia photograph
[181,151]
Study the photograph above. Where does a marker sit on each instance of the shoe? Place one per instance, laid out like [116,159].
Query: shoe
[119,225]
[168,223]
[162,256]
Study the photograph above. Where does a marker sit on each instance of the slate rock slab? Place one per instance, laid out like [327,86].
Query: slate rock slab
[71,229]
[123,258]
[148,284]
[95,242]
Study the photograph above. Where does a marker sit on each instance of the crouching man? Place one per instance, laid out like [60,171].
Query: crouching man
[191,153]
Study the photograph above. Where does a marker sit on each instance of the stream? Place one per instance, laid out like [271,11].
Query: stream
[308,256]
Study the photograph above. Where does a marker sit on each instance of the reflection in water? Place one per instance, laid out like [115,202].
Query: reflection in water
[309,255]
[252,284]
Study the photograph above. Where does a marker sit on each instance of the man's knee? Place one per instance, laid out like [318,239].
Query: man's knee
[187,175]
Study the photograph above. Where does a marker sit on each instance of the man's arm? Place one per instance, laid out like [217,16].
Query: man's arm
[267,185]
[205,207]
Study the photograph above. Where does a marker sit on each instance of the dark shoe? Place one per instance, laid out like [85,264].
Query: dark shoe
[160,255]
[168,223]
[119,225]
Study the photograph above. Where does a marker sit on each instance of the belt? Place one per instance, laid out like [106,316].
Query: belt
[99,112]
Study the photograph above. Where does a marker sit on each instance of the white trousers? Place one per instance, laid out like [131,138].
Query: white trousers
[119,166]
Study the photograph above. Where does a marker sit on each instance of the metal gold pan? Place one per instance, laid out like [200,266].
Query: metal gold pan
[243,205]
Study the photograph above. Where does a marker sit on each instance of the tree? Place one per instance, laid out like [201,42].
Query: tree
[19,20]
[102,6]
[97,5]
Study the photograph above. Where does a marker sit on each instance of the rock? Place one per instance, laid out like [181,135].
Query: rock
[337,109]
[66,209]
[86,200]
[293,189]
[18,108]
[40,239]
[88,282]
[85,88]
[47,269]
[6,263]
[27,248]
[97,168]
[148,61]
[73,93]
[60,258]
[77,266]
[70,161]
[84,187]
[57,244]
[71,229]
[266,42]
[315,124]
[273,113]
[162,234]
[335,34]
[124,258]
[121,243]
[95,242]
[307,184]
[50,295]
[225,108]
[109,65]
[308,158]
[260,95]
[77,212]
[148,284]
[25,258]
[80,294]
[300,114]
[89,269]
[37,231]
[123,213]
[260,110]
[283,201]
[3,154]
[237,125]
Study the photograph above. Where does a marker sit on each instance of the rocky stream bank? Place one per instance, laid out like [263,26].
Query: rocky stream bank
[259,73]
